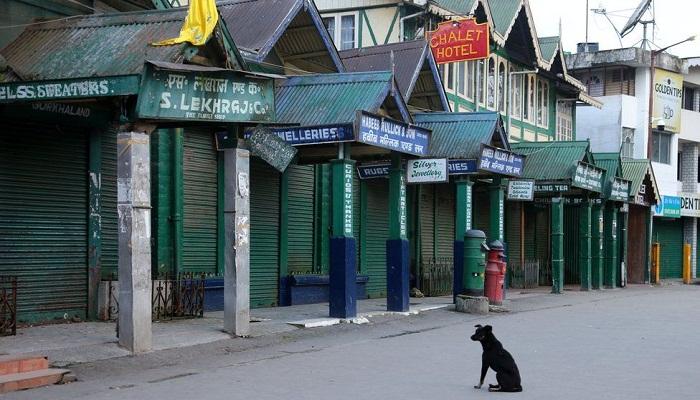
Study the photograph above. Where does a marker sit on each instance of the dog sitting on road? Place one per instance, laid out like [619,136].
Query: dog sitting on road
[499,360]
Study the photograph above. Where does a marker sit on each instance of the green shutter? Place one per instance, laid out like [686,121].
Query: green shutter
[301,219]
[377,220]
[669,233]
[513,210]
[264,233]
[200,202]
[427,223]
[43,218]
[571,244]
[445,221]
[110,240]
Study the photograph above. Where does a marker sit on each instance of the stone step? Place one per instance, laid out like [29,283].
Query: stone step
[16,363]
[31,379]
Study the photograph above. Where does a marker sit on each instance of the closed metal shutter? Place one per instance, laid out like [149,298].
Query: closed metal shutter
[636,240]
[110,240]
[571,244]
[264,233]
[445,222]
[43,218]
[669,233]
[427,223]
[377,220]
[200,202]
[301,219]
[512,234]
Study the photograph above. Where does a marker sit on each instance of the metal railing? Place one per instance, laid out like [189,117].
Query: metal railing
[8,305]
[526,276]
[436,276]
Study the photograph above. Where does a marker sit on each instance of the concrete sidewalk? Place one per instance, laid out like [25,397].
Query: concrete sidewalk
[73,343]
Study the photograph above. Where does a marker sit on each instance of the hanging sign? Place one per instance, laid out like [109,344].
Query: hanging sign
[620,190]
[589,177]
[670,207]
[668,99]
[501,161]
[461,167]
[391,134]
[306,135]
[551,187]
[690,204]
[271,148]
[381,169]
[459,40]
[427,170]
[521,190]
[205,95]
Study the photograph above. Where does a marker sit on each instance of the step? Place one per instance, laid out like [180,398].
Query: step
[31,379]
[16,363]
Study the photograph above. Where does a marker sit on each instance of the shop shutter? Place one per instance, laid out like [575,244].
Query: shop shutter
[427,222]
[445,222]
[43,218]
[571,244]
[377,220]
[110,240]
[357,218]
[301,219]
[669,233]
[697,252]
[513,209]
[264,233]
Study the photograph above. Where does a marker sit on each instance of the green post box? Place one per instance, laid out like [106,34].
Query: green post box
[474,263]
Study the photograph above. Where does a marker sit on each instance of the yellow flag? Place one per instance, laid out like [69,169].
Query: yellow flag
[202,17]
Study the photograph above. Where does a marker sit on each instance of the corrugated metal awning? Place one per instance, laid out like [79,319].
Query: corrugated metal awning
[460,135]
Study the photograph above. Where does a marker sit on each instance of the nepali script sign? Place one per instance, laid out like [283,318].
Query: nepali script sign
[588,177]
[69,89]
[499,161]
[205,95]
[459,40]
[391,134]
[620,190]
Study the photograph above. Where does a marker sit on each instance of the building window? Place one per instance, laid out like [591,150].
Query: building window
[543,108]
[517,93]
[627,148]
[345,37]
[565,120]
[689,98]
[461,78]
[661,147]
[491,85]
[470,79]
[450,76]
[502,87]
[679,166]
[480,72]
[530,89]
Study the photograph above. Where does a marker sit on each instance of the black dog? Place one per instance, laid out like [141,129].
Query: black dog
[499,360]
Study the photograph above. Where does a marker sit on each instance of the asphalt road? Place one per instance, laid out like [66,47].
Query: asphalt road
[638,343]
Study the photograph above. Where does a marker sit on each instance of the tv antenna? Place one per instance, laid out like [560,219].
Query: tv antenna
[636,18]
[602,11]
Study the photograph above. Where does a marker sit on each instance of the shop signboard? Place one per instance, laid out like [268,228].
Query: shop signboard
[500,161]
[69,89]
[619,190]
[553,187]
[391,134]
[459,40]
[521,190]
[690,204]
[668,98]
[589,177]
[426,170]
[381,169]
[670,207]
[271,148]
[461,166]
[208,95]
[308,135]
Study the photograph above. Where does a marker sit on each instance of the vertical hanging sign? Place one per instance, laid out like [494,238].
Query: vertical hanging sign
[403,231]
[347,199]
[468,220]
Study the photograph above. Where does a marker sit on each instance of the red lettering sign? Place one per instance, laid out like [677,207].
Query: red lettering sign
[459,40]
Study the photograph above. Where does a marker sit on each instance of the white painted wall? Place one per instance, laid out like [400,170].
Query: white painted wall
[690,126]
[641,91]
[602,127]
[347,4]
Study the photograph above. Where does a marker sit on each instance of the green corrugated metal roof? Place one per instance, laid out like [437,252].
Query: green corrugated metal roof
[635,171]
[548,47]
[503,13]
[552,160]
[332,98]
[613,168]
[461,7]
[460,135]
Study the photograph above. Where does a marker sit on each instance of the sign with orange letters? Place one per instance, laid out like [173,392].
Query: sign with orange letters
[459,40]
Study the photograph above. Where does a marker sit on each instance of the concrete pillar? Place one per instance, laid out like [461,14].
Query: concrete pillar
[134,213]
[497,212]
[237,241]
[689,178]
[584,253]
[597,246]
[611,259]
[557,239]
[343,272]
[463,223]
[94,223]
[397,258]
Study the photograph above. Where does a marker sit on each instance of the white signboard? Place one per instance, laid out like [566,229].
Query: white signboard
[523,190]
[690,204]
[427,170]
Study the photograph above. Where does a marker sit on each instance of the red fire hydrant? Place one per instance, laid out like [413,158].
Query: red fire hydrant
[495,273]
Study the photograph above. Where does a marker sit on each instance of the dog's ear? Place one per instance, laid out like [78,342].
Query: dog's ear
[477,326]
[488,328]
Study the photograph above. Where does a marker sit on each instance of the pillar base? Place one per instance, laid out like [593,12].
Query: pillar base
[397,261]
[342,278]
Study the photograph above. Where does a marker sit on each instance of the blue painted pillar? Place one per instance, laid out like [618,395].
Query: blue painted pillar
[343,268]
[397,256]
